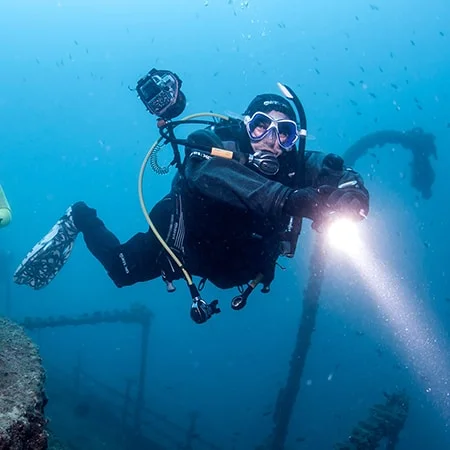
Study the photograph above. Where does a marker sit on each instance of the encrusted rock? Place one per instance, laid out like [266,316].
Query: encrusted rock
[22,397]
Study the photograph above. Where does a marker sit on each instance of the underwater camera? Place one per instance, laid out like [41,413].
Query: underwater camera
[160,92]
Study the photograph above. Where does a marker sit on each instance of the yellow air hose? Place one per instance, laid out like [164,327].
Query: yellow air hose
[155,145]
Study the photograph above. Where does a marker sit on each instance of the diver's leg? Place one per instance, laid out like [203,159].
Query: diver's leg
[134,261]
[128,263]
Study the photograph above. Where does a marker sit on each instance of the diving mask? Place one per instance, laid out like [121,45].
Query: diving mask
[260,124]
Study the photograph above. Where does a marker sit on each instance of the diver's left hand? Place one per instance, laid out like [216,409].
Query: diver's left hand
[349,202]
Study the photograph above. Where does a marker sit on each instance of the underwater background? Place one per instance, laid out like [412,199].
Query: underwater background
[71,128]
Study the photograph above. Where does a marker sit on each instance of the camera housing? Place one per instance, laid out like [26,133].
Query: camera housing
[160,92]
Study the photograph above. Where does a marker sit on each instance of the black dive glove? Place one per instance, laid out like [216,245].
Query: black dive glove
[319,203]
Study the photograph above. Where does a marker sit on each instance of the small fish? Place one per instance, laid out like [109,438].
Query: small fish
[412,43]
[75,42]
[380,69]
[317,71]
[351,83]
[374,7]
[441,33]
[372,95]
[353,102]
[394,86]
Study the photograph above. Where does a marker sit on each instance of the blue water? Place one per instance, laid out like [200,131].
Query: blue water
[70,129]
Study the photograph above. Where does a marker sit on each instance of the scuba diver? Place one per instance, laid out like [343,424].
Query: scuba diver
[5,209]
[235,206]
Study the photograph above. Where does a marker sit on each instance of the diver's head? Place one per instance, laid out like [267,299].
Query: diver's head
[271,125]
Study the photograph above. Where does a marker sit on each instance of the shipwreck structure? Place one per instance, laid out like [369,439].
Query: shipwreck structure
[121,414]
[423,148]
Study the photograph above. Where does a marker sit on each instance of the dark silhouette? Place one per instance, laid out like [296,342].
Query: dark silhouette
[421,144]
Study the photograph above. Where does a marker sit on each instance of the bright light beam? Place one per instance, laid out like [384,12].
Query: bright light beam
[343,234]
[425,353]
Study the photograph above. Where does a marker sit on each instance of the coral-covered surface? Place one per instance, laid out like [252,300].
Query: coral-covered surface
[22,397]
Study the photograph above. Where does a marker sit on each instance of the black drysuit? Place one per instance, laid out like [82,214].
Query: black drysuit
[224,219]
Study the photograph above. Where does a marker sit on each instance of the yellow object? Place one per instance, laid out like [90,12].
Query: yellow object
[177,261]
[5,209]
[222,153]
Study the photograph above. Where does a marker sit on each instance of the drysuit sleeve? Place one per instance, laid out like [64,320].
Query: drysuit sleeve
[228,181]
